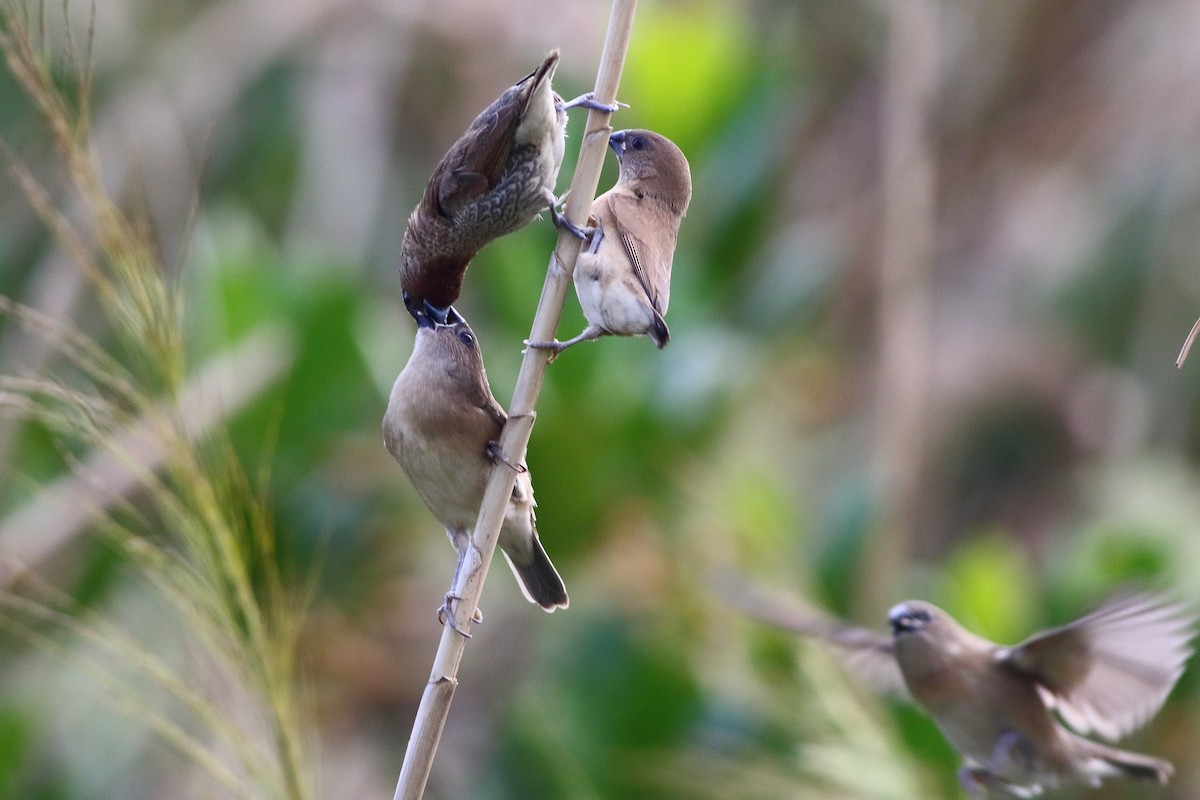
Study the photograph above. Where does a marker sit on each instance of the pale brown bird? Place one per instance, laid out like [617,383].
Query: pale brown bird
[1018,715]
[493,180]
[443,424]
[623,276]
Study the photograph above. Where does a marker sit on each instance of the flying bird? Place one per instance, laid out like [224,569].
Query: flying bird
[493,180]
[443,425]
[623,276]
[1019,715]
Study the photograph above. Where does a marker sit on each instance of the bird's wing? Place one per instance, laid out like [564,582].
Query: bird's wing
[479,392]
[649,250]
[867,654]
[493,409]
[475,162]
[522,488]
[523,492]
[1110,671]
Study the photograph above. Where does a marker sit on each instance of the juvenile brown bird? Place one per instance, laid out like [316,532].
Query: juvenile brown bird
[1105,674]
[623,277]
[496,178]
[442,424]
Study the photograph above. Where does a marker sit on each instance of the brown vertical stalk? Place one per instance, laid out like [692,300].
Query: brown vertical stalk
[906,254]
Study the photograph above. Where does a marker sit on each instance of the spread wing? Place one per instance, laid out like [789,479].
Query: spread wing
[475,162]
[867,654]
[648,245]
[1110,671]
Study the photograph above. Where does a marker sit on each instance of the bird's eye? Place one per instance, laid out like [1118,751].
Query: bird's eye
[638,143]
[466,338]
[921,615]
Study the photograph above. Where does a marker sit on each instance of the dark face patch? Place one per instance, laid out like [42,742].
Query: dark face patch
[906,619]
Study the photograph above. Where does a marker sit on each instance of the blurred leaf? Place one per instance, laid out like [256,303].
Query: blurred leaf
[687,64]
[258,150]
[991,588]
[1101,303]
[839,545]
[640,699]
[14,750]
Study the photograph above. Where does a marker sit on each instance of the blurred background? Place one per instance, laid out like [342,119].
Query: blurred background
[925,310]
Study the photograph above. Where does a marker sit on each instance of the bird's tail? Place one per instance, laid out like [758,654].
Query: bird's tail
[541,76]
[547,68]
[539,580]
[659,333]
[1126,764]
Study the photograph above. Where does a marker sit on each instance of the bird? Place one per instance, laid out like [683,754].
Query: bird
[623,275]
[442,425]
[495,178]
[1019,715]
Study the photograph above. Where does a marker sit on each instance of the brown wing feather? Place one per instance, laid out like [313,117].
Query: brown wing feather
[1110,671]
[867,654]
[494,410]
[475,162]
[649,250]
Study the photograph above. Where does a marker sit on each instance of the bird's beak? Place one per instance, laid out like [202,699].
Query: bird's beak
[419,311]
[902,619]
[617,143]
[430,316]
[442,316]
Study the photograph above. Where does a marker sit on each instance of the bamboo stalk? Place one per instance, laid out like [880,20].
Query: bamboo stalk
[905,259]
[435,702]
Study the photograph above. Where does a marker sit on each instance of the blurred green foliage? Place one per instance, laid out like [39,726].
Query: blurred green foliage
[1059,457]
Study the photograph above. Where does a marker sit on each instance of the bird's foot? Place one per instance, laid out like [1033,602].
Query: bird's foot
[975,781]
[980,783]
[445,614]
[496,453]
[588,100]
[596,236]
[590,333]
[1007,745]
[554,346]
[561,222]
